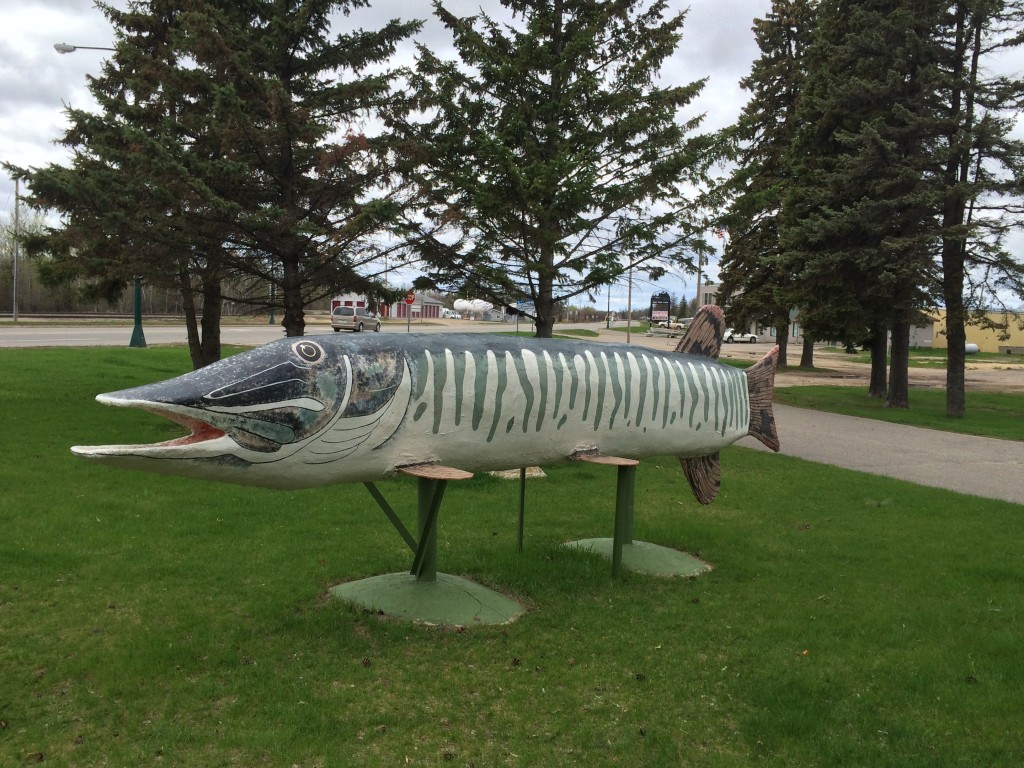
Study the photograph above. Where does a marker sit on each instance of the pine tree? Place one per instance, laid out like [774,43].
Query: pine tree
[128,202]
[230,141]
[555,161]
[983,171]
[750,271]
[859,215]
[313,196]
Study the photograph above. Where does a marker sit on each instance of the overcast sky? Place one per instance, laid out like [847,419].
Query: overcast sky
[36,82]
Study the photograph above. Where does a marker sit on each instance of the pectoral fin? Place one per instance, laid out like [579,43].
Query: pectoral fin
[704,474]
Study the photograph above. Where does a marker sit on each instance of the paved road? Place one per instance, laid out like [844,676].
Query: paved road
[974,465]
[32,334]
[28,334]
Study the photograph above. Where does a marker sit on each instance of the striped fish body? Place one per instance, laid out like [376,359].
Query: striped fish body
[485,403]
[314,411]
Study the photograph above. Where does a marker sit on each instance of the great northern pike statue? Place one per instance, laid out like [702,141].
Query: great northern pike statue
[312,411]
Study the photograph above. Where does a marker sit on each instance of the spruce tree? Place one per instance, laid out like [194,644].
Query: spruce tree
[860,213]
[982,175]
[555,161]
[313,195]
[230,141]
[751,274]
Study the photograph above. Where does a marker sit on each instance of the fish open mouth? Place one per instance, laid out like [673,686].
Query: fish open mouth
[199,431]
[202,438]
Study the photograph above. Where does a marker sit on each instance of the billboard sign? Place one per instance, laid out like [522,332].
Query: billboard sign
[661,306]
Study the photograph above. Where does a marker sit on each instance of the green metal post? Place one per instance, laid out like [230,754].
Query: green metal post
[138,337]
[424,566]
[394,518]
[624,498]
[522,504]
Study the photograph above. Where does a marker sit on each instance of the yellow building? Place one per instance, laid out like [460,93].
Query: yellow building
[987,341]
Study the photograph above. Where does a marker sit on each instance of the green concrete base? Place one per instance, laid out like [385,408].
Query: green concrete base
[449,601]
[641,557]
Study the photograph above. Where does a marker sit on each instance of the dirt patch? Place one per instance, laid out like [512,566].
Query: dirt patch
[837,369]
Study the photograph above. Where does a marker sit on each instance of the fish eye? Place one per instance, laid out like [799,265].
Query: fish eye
[309,351]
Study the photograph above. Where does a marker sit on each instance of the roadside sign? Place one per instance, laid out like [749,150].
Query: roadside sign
[410,297]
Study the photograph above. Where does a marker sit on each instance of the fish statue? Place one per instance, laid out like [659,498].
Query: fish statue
[317,410]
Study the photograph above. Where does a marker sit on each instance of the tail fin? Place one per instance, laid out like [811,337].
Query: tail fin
[760,382]
[704,335]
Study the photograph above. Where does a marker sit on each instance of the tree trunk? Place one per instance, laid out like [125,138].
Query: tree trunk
[203,347]
[899,376]
[188,303]
[954,247]
[782,339]
[954,215]
[544,302]
[545,324]
[293,318]
[877,386]
[212,305]
[956,332]
[807,353]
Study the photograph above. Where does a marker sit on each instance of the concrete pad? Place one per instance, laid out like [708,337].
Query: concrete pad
[448,601]
[643,557]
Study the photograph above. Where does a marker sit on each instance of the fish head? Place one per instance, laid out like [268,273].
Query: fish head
[255,407]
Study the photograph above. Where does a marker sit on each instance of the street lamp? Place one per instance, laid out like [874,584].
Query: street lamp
[138,339]
[65,48]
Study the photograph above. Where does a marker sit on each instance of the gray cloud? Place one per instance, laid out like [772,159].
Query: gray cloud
[36,82]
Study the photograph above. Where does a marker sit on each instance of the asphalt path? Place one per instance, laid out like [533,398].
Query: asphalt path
[977,466]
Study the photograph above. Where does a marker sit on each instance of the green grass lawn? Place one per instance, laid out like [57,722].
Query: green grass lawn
[148,620]
[989,414]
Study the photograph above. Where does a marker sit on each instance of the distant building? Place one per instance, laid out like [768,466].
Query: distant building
[922,333]
[709,295]
[423,307]
[349,300]
[987,341]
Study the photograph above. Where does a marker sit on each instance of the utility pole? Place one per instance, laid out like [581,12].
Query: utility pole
[700,264]
[629,304]
[16,252]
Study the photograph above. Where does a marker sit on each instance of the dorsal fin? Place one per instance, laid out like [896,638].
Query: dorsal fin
[704,335]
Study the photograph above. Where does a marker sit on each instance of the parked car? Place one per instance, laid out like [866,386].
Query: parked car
[675,324]
[734,335]
[354,319]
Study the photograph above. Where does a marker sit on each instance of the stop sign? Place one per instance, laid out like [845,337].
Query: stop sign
[410,297]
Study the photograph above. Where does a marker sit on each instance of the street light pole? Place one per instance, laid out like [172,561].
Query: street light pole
[138,339]
[629,304]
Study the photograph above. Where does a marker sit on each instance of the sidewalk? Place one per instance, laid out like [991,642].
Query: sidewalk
[980,466]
